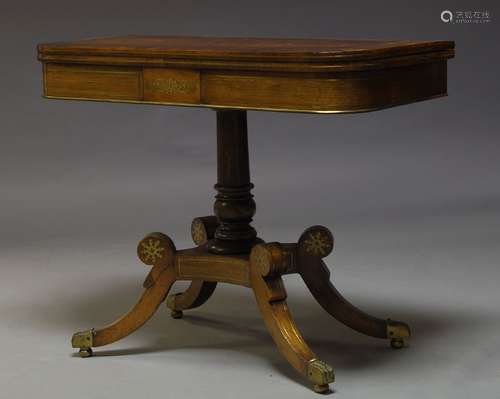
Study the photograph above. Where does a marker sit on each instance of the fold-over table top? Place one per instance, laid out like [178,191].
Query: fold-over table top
[242,48]
[308,75]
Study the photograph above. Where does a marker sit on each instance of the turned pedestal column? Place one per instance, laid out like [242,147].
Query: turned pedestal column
[234,205]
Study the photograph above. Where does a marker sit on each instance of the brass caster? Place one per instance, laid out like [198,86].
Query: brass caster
[85,352]
[320,374]
[176,314]
[83,340]
[321,388]
[397,343]
[397,332]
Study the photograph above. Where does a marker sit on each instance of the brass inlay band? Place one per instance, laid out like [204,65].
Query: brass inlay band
[221,106]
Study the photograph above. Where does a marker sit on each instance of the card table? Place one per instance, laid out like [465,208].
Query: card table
[232,75]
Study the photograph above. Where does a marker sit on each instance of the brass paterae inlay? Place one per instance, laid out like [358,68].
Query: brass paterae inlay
[317,243]
[172,86]
[198,232]
[152,250]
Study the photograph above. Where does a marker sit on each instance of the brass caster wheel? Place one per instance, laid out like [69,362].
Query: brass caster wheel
[320,374]
[83,340]
[397,332]
[176,314]
[321,388]
[85,352]
[397,343]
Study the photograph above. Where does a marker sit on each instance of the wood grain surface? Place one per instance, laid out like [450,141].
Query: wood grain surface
[297,75]
[278,49]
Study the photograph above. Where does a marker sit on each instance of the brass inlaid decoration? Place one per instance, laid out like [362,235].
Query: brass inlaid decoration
[318,243]
[198,232]
[151,250]
[171,86]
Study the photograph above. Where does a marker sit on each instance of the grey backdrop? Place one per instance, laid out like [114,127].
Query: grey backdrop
[411,193]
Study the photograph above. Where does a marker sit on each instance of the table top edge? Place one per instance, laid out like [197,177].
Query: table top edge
[313,51]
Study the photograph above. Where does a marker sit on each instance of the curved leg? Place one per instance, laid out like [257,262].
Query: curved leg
[195,295]
[202,230]
[271,298]
[157,284]
[316,243]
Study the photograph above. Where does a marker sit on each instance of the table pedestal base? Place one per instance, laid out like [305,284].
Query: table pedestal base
[261,270]
[228,250]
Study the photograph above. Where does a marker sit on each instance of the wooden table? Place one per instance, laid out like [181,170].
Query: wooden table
[232,75]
